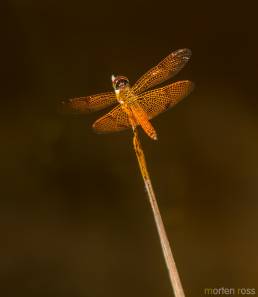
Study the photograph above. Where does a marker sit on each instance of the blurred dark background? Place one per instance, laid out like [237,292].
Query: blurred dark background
[74,216]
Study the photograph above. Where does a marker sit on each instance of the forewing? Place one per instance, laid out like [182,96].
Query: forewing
[159,100]
[115,120]
[89,103]
[166,69]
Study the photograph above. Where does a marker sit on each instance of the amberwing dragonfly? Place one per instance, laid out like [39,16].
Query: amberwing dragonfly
[137,106]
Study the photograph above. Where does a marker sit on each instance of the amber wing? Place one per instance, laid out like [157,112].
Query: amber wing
[159,100]
[152,102]
[89,103]
[115,120]
[166,69]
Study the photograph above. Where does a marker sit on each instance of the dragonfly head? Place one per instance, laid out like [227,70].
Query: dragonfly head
[119,83]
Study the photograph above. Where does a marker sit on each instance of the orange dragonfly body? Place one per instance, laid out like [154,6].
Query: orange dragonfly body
[137,106]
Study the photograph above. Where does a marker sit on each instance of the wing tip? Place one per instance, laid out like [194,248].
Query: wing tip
[191,85]
[95,128]
[98,128]
[185,50]
[186,53]
[75,105]
[65,106]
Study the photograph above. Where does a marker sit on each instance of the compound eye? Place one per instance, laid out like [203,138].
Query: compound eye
[121,83]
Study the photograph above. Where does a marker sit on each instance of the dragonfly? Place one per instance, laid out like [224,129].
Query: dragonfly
[137,104]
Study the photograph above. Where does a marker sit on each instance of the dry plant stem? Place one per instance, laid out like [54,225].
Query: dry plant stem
[170,262]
